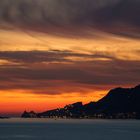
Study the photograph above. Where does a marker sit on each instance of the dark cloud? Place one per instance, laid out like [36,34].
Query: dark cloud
[47,56]
[49,78]
[99,14]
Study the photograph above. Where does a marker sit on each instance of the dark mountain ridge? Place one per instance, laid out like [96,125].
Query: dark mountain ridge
[118,103]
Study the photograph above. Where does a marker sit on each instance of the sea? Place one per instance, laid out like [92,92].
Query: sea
[69,129]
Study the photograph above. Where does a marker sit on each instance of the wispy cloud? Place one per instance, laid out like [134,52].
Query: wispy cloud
[55,77]
[115,16]
[56,56]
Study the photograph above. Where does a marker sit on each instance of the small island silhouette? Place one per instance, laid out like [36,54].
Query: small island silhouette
[119,103]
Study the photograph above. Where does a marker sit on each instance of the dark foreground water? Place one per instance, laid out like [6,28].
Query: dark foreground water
[50,129]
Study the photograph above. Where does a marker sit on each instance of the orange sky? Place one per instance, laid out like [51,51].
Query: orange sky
[55,53]
[103,59]
[15,102]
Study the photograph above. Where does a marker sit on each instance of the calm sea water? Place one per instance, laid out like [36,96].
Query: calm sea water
[50,129]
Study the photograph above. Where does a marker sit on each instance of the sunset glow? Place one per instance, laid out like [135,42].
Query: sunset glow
[16,101]
[49,59]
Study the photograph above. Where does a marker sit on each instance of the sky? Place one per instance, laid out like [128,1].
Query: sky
[57,52]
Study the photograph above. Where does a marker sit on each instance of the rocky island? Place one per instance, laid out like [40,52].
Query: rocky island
[1,117]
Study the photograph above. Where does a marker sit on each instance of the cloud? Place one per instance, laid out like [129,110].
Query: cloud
[78,76]
[56,56]
[41,15]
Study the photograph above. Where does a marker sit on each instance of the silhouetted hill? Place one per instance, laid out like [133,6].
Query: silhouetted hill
[118,103]
[120,100]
